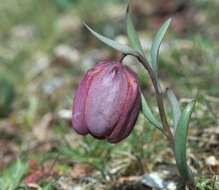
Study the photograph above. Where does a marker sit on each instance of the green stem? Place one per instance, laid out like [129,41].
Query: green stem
[159,98]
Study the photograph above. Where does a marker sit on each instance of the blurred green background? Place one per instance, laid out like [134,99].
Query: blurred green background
[44,52]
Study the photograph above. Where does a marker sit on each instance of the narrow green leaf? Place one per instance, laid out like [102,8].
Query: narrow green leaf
[180,141]
[146,110]
[175,106]
[156,44]
[136,44]
[120,47]
[132,34]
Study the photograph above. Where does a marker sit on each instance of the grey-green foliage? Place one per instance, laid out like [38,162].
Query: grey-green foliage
[180,141]
[132,34]
[156,45]
[136,45]
[113,44]
[175,106]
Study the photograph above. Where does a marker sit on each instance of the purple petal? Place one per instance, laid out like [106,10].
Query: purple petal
[105,100]
[78,110]
[130,110]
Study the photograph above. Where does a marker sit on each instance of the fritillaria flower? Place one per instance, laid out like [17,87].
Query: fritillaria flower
[107,102]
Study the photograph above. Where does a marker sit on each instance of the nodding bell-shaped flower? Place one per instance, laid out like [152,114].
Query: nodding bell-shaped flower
[107,102]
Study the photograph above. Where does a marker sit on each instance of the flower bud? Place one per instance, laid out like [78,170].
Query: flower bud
[107,102]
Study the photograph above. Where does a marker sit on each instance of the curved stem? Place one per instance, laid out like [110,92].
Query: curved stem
[166,129]
[159,98]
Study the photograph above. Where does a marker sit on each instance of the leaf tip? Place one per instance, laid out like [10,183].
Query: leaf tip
[128,9]
[89,28]
[169,21]
[86,26]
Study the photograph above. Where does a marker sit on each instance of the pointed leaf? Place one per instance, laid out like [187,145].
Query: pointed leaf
[156,44]
[175,106]
[132,34]
[146,110]
[180,141]
[120,47]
